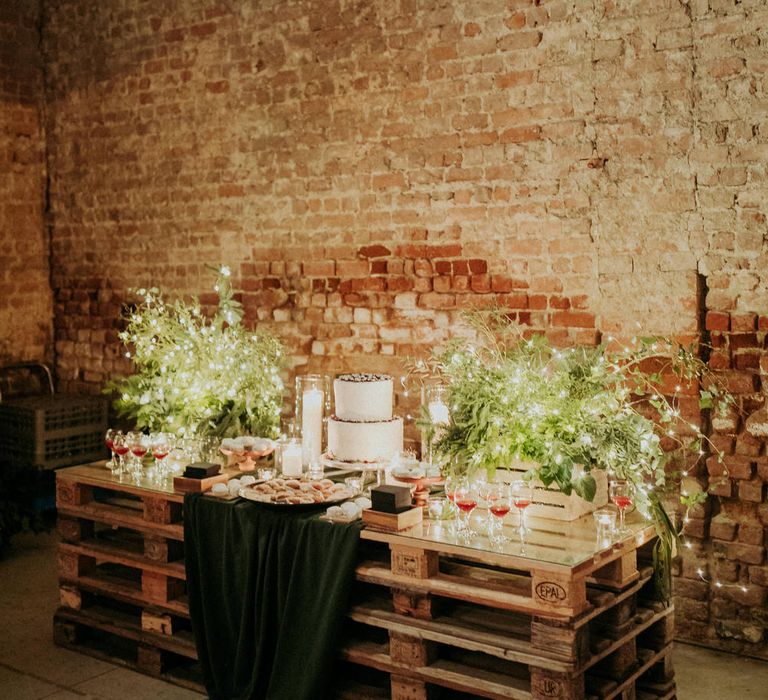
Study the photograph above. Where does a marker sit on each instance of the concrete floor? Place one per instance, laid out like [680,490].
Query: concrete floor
[32,667]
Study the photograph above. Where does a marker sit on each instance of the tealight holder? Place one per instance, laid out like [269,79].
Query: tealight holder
[605,526]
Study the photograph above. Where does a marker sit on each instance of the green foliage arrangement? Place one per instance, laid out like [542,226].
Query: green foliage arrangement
[516,398]
[197,376]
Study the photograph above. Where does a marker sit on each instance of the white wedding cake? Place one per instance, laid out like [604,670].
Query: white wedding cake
[364,429]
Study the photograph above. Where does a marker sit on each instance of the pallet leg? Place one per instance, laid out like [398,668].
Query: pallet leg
[160,588]
[149,660]
[411,651]
[162,549]
[70,493]
[404,688]
[414,563]
[619,573]
[566,595]
[415,605]
[159,510]
[72,565]
[546,685]
[153,621]
[70,597]
[560,637]
[74,529]
[64,633]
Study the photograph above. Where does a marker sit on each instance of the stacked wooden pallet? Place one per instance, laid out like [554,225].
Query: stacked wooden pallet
[121,573]
[441,620]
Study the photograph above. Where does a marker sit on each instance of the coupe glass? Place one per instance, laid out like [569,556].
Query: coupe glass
[522,495]
[621,495]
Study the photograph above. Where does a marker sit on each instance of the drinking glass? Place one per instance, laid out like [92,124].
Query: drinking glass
[138,444]
[109,441]
[522,495]
[465,499]
[499,504]
[621,496]
[487,492]
[120,448]
[161,446]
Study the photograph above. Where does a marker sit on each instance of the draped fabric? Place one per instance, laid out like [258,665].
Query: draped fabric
[268,592]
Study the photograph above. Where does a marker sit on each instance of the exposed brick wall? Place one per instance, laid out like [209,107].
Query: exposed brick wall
[370,169]
[25,297]
[728,533]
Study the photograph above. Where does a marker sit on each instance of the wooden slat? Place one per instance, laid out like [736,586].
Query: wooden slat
[115,516]
[123,626]
[451,631]
[651,658]
[108,552]
[126,592]
[454,587]
[448,674]
[617,644]
[96,474]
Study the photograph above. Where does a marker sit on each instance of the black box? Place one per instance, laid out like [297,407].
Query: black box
[201,470]
[391,499]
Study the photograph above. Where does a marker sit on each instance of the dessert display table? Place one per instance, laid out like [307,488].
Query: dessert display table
[557,617]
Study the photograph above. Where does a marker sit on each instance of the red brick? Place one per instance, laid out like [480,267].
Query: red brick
[520,134]
[743,323]
[374,251]
[433,300]
[451,250]
[751,490]
[717,321]
[573,319]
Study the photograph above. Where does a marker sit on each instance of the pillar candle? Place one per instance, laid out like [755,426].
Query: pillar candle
[312,424]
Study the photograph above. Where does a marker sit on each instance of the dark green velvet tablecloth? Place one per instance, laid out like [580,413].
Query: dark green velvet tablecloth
[268,592]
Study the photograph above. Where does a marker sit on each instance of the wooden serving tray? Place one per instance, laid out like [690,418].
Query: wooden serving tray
[187,485]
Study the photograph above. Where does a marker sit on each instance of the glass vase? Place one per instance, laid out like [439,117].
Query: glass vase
[434,403]
[313,407]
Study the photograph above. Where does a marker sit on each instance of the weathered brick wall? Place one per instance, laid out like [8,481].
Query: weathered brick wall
[370,169]
[25,297]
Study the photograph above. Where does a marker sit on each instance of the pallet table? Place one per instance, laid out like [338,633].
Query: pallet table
[557,618]
[430,617]
[121,574]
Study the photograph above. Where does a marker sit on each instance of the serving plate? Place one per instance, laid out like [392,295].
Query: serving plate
[257,493]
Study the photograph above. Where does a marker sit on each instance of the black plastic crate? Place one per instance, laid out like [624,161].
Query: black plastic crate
[53,431]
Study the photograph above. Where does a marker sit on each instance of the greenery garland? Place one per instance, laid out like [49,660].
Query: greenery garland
[197,376]
[514,397]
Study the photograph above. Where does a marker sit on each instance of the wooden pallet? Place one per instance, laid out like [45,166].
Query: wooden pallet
[122,579]
[434,614]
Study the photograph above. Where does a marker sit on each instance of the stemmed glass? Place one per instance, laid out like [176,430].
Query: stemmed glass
[161,446]
[120,448]
[522,495]
[451,484]
[109,441]
[138,444]
[621,495]
[499,504]
[465,499]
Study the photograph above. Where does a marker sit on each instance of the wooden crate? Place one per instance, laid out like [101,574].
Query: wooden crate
[549,502]
[474,623]
[121,574]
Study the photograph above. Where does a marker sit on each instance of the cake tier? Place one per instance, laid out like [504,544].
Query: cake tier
[363,397]
[376,441]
